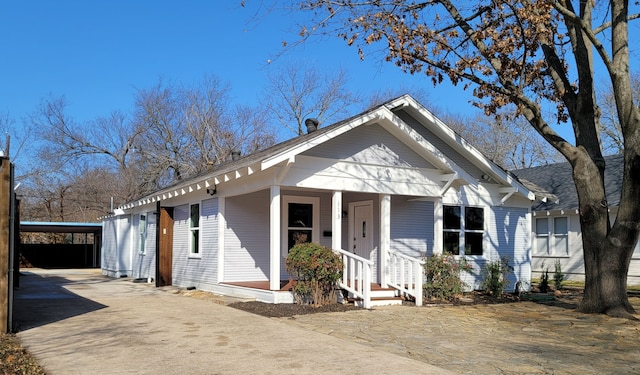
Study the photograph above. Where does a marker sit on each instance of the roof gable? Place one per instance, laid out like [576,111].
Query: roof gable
[419,137]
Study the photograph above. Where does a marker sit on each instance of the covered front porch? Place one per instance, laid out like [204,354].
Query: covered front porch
[375,271]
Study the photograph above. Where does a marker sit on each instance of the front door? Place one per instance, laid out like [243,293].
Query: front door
[165,247]
[361,228]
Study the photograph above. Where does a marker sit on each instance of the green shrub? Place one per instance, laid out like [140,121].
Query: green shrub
[558,276]
[442,276]
[495,276]
[316,270]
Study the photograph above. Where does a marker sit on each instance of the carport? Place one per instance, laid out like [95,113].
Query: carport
[66,255]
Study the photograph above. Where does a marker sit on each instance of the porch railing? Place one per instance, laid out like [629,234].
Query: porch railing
[405,274]
[356,276]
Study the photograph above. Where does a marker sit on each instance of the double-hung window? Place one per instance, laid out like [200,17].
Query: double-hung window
[301,220]
[463,230]
[552,236]
[194,230]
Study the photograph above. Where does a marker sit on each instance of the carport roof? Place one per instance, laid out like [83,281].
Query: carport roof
[59,227]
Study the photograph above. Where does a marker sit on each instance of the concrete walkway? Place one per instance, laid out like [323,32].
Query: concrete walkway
[79,322]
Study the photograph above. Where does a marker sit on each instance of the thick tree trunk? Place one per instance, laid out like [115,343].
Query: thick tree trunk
[607,252]
[606,268]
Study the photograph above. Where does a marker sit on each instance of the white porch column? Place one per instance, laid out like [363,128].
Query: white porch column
[222,226]
[274,238]
[385,237]
[336,220]
[437,227]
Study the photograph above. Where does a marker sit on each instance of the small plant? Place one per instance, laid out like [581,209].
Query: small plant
[442,274]
[558,276]
[544,281]
[316,269]
[495,276]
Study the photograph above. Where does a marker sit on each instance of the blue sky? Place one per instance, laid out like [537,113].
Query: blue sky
[98,53]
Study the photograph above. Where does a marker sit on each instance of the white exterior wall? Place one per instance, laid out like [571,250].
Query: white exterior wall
[109,252]
[144,263]
[412,229]
[116,246]
[246,255]
[199,270]
[572,264]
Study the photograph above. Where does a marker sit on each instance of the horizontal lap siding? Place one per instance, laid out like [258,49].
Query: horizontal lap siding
[125,245]
[369,145]
[447,150]
[144,264]
[509,235]
[109,251]
[411,227]
[246,254]
[196,271]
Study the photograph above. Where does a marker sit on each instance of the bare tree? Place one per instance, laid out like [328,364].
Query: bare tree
[610,129]
[299,91]
[509,142]
[189,129]
[536,55]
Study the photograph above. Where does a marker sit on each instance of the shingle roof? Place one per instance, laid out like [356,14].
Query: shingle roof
[555,181]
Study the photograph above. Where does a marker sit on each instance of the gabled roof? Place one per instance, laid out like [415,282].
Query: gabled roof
[384,114]
[556,181]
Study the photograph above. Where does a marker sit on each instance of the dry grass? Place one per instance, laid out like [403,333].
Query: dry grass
[14,359]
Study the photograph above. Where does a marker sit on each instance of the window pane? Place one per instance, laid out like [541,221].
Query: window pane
[195,215]
[473,243]
[452,242]
[298,236]
[561,245]
[473,218]
[195,241]
[451,217]
[542,226]
[560,225]
[300,215]
[542,245]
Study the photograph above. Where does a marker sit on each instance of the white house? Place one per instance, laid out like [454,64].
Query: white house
[383,188]
[556,223]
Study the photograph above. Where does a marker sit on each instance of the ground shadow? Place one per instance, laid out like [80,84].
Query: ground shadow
[43,300]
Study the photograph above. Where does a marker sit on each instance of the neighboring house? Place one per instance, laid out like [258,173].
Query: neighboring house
[383,188]
[556,222]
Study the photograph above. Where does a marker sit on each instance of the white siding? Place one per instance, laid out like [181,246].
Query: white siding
[509,236]
[124,244]
[443,147]
[411,226]
[199,271]
[144,264]
[246,254]
[109,251]
[369,145]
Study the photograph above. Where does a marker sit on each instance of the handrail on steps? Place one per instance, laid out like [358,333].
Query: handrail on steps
[356,276]
[405,274]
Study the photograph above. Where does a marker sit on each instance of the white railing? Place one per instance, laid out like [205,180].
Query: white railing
[356,276]
[406,274]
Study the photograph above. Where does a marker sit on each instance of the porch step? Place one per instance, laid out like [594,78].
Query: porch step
[379,297]
[378,301]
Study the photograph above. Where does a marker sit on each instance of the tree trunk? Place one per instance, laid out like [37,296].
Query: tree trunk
[606,268]
[607,251]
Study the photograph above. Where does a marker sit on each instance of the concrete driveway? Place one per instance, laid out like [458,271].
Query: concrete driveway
[79,322]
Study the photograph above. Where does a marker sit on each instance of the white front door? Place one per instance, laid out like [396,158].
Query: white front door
[361,228]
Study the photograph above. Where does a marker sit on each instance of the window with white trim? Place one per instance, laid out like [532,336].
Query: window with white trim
[194,230]
[142,229]
[463,230]
[301,218]
[552,236]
